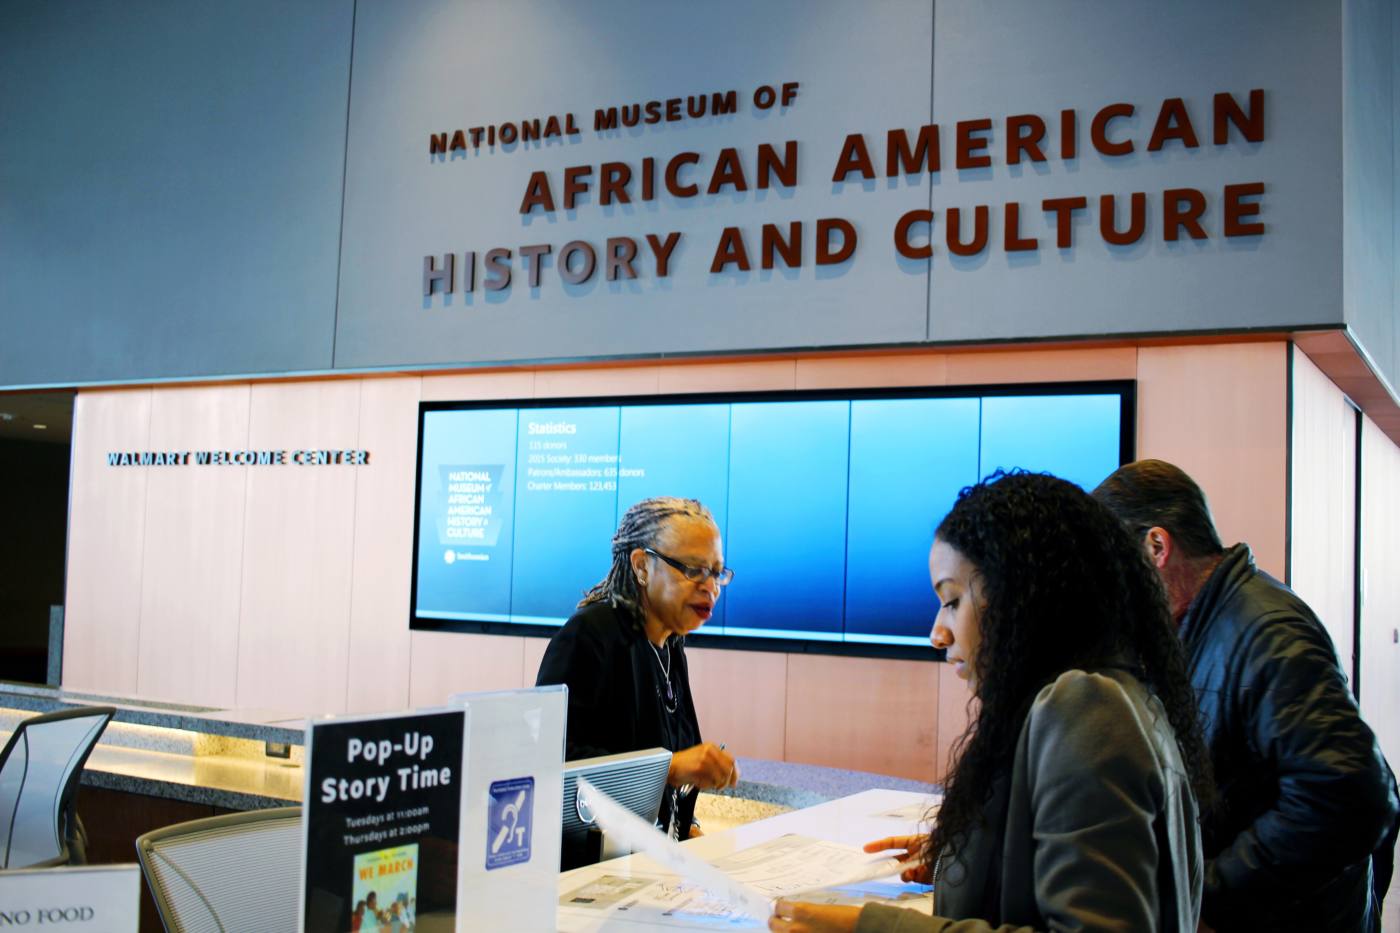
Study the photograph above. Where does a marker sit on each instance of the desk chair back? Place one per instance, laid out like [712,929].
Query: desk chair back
[227,873]
[39,773]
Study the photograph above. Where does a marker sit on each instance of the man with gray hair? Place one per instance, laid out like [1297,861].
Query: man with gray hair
[1304,829]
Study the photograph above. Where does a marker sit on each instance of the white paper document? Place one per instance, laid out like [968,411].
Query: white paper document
[792,865]
[632,831]
[617,902]
[734,892]
[914,812]
[613,902]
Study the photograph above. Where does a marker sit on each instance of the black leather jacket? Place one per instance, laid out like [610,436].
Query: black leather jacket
[1306,797]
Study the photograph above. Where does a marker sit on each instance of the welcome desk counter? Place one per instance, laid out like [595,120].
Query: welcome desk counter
[252,759]
[163,763]
[183,754]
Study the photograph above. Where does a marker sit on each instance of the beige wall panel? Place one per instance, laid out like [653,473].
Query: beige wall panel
[615,380]
[469,386]
[190,587]
[953,715]
[861,372]
[106,538]
[445,663]
[382,570]
[1380,605]
[530,663]
[750,376]
[868,714]
[294,637]
[1077,365]
[740,698]
[1220,413]
[1324,502]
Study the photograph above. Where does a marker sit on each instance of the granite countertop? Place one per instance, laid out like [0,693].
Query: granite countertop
[176,751]
[222,763]
[794,785]
[216,780]
[264,725]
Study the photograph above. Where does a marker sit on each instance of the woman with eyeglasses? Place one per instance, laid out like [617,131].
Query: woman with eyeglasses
[622,653]
[1072,801]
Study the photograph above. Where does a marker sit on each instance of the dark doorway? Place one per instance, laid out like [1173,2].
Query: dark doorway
[35,438]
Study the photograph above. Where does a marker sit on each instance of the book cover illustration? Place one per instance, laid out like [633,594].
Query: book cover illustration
[385,890]
[382,820]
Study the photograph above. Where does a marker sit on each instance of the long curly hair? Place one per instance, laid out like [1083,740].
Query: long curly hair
[1066,587]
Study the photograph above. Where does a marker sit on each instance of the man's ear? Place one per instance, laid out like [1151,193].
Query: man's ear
[1160,546]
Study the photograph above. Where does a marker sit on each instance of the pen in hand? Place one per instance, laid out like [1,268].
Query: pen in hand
[686,789]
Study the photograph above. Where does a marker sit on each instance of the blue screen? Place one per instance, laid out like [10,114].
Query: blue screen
[909,458]
[827,507]
[784,458]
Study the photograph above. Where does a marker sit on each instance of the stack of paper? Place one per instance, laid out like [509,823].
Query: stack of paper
[735,892]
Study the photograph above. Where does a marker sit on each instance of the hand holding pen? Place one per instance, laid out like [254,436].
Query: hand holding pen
[706,766]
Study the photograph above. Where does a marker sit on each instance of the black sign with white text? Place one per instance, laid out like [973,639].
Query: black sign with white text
[382,817]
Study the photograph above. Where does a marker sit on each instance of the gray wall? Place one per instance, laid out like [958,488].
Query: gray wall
[170,181]
[209,188]
[1371,142]
[1091,54]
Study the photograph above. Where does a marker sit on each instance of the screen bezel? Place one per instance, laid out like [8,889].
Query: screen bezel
[1125,389]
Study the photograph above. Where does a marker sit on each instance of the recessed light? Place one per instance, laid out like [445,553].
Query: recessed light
[41,427]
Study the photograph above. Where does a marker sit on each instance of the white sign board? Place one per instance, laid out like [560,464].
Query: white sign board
[89,899]
[512,801]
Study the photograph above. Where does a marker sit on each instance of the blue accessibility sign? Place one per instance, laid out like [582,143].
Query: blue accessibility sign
[508,823]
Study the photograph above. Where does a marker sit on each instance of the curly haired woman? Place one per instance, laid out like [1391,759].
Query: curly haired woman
[1072,800]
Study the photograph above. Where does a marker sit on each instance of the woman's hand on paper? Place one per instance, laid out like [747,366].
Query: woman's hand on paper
[797,917]
[706,766]
[911,849]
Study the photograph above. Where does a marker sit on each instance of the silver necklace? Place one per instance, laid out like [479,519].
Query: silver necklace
[670,701]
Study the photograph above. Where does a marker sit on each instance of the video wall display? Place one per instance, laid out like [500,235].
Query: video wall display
[826,503]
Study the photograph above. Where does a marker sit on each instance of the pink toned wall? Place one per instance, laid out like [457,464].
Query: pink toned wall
[1323,540]
[1380,590]
[1323,547]
[1380,606]
[1323,502]
[288,588]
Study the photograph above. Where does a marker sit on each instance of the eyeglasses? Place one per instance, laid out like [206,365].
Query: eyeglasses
[695,574]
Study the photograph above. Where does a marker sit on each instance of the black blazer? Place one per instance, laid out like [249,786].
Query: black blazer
[617,692]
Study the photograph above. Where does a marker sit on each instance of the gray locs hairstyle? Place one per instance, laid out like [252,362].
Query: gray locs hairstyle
[641,527]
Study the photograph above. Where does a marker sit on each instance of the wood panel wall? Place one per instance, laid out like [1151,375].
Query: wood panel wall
[1380,607]
[1322,545]
[1380,592]
[106,543]
[288,588]
[1220,412]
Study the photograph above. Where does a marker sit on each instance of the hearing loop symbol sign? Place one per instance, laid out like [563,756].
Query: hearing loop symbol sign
[509,822]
